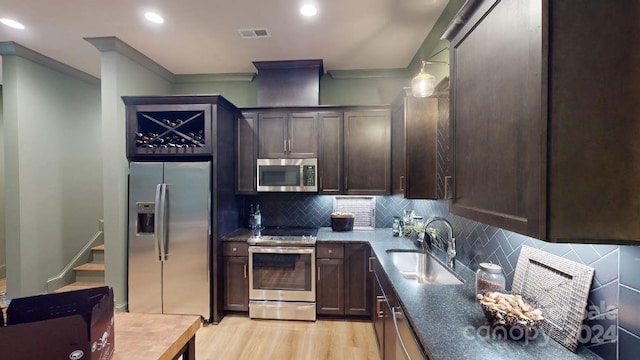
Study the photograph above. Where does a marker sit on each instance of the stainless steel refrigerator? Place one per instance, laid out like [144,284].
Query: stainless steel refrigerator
[169,268]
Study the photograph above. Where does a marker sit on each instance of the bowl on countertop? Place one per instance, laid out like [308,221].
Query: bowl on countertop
[518,317]
[342,221]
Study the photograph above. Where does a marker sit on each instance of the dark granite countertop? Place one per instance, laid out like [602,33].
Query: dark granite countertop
[446,318]
[240,234]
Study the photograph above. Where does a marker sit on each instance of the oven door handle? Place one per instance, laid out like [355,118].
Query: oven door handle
[280,250]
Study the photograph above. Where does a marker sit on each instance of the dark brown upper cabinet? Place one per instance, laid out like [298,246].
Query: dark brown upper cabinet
[288,135]
[367,152]
[330,153]
[420,143]
[544,111]
[174,127]
[247,152]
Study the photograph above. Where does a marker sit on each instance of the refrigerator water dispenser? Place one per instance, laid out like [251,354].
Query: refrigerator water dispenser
[146,218]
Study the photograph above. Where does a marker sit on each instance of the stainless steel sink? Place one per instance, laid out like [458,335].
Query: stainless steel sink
[422,268]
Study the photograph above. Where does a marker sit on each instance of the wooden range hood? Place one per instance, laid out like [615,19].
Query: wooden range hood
[289,82]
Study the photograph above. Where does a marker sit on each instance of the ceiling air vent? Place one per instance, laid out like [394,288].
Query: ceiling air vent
[254,33]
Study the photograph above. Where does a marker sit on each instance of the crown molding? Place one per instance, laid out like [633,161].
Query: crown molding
[112,43]
[206,78]
[369,74]
[10,48]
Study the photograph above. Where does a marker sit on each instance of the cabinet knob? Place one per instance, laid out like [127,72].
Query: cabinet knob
[234,249]
[330,251]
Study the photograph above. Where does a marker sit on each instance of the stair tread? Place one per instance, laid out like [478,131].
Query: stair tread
[79,286]
[91,266]
[98,248]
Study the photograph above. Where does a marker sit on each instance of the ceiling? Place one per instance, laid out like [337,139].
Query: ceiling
[201,36]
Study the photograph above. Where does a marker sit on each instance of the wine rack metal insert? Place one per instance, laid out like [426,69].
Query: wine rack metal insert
[170,129]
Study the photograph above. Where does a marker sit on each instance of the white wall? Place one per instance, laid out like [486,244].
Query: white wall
[120,76]
[53,170]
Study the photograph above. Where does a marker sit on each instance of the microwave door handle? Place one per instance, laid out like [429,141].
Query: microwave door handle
[301,176]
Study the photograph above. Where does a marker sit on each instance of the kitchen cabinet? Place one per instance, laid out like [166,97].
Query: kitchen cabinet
[382,316]
[396,340]
[236,281]
[247,152]
[544,113]
[367,152]
[357,293]
[352,144]
[389,328]
[377,313]
[330,142]
[287,135]
[419,132]
[330,285]
[343,284]
[398,116]
[173,127]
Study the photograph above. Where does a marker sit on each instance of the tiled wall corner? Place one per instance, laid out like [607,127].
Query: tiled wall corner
[629,323]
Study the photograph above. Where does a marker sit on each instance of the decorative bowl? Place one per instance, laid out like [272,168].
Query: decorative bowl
[519,317]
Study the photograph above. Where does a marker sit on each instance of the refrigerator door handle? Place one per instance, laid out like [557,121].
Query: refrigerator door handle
[157,225]
[163,220]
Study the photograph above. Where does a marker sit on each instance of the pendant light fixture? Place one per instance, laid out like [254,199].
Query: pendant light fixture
[423,84]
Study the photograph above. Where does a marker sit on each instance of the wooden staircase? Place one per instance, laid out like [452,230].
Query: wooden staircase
[88,275]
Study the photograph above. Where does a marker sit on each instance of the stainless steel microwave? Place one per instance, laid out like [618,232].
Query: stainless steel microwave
[288,175]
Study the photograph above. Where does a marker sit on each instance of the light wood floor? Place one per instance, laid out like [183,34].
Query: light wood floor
[238,337]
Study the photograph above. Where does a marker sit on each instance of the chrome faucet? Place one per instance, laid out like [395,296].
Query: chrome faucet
[451,241]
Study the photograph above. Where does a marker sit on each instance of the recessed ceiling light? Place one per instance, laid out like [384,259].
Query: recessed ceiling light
[308,10]
[154,18]
[12,23]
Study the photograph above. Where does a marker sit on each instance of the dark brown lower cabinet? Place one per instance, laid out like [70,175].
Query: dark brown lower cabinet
[377,314]
[343,282]
[395,341]
[330,287]
[383,325]
[357,293]
[236,277]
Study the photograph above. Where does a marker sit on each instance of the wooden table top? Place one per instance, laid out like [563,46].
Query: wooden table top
[152,336]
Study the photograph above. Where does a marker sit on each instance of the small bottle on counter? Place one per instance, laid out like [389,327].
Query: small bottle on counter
[257,218]
[251,217]
[489,277]
[397,226]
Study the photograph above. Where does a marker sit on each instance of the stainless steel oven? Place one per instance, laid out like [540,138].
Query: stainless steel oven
[282,273]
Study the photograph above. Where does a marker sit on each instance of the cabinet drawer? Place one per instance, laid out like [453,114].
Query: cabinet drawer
[235,248]
[330,251]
